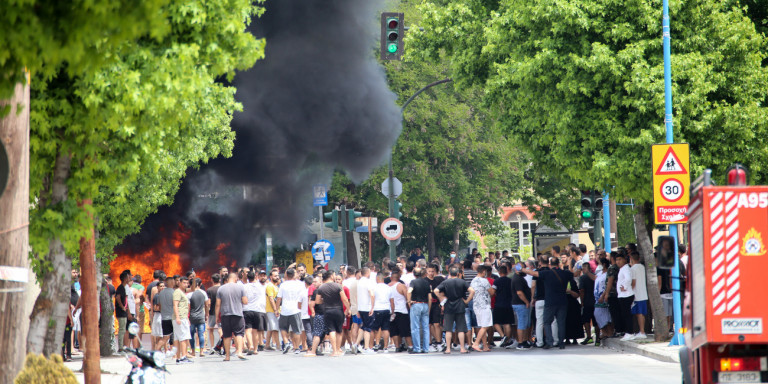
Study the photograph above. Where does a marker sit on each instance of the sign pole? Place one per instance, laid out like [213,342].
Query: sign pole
[676,299]
[370,240]
[320,217]
[606,222]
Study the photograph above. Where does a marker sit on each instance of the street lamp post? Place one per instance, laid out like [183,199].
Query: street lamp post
[390,180]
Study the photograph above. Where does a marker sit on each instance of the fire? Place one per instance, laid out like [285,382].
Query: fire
[164,256]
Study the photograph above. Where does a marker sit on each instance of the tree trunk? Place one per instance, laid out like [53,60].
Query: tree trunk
[431,248]
[14,235]
[645,247]
[456,234]
[49,315]
[106,323]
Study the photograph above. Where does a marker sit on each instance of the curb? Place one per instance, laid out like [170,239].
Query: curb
[660,353]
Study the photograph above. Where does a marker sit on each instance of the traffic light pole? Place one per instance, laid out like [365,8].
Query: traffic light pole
[344,228]
[677,339]
[390,180]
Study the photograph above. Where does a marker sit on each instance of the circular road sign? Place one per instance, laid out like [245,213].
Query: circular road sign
[391,228]
[323,251]
[671,190]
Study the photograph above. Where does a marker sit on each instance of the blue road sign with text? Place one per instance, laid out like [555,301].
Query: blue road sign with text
[320,194]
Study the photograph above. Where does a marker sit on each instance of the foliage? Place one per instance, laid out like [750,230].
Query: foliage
[44,35]
[134,124]
[38,369]
[579,85]
[505,239]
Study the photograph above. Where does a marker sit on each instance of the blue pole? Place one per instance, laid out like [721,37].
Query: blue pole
[607,222]
[677,338]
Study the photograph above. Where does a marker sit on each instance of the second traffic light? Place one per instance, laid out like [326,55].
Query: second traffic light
[334,223]
[351,222]
[397,213]
[591,204]
[392,30]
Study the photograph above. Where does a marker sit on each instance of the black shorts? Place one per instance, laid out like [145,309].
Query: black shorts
[255,320]
[367,321]
[380,320]
[457,319]
[503,316]
[401,325]
[232,325]
[167,327]
[334,320]
[587,313]
[435,317]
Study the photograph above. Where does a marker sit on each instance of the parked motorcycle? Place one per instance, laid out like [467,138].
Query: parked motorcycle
[147,367]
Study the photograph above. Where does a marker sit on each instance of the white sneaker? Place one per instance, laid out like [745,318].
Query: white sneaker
[640,336]
[513,345]
[627,337]
[385,350]
[432,348]
[368,352]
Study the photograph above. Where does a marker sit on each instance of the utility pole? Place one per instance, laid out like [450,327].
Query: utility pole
[14,235]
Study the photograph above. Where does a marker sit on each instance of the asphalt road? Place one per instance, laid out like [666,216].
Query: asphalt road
[577,364]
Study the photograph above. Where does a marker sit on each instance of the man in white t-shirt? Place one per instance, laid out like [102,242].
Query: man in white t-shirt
[640,306]
[289,298]
[408,276]
[351,284]
[254,313]
[365,306]
[626,294]
[383,307]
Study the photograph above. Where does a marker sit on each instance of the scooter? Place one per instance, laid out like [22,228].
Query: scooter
[148,367]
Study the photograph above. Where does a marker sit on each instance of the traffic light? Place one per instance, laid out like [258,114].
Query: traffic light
[591,205]
[352,215]
[392,30]
[587,212]
[334,223]
[398,214]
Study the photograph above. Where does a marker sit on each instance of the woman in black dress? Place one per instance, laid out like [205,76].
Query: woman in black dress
[573,326]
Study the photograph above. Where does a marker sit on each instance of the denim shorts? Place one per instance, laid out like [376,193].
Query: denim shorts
[523,316]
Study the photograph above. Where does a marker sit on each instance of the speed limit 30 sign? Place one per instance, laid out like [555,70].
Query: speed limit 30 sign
[671,182]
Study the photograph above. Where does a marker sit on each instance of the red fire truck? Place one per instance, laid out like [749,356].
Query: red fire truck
[725,306]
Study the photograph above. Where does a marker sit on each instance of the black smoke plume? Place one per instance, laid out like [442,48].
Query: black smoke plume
[319,101]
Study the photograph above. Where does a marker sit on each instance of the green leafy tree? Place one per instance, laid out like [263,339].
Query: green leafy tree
[580,86]
[124,133]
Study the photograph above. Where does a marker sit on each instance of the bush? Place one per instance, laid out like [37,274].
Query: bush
[38,369]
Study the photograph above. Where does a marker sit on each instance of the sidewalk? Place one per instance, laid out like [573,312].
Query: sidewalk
[114,369]
[648,348]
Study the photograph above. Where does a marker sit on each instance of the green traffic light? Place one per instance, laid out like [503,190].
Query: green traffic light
[586,215]
[392,48]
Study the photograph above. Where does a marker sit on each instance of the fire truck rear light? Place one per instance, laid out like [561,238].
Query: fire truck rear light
[682,330]
[735,364]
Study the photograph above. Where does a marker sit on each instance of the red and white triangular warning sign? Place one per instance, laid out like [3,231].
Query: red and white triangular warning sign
[671,164]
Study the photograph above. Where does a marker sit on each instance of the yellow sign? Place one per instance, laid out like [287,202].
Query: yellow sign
[671,182]
[306,258]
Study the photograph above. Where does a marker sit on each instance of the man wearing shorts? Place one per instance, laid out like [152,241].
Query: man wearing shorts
[165,299]
[503,316]
[521,304]
[365,307]
[157,319]
[231,298]
[213,321]
[435,310]
[254,312]
[273,311]
[181,321]
[400,323]
[289,301]
[383,307]
[453,294]
[331,296]
[481,299]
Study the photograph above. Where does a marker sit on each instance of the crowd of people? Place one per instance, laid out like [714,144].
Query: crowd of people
[404,305]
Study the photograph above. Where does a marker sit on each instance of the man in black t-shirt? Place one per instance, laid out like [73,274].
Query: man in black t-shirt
[539,292]
[435,310]
[453,297]
[556,305]
[419,298]
[521,303]
[213,322]
[587,295]
[503,317]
